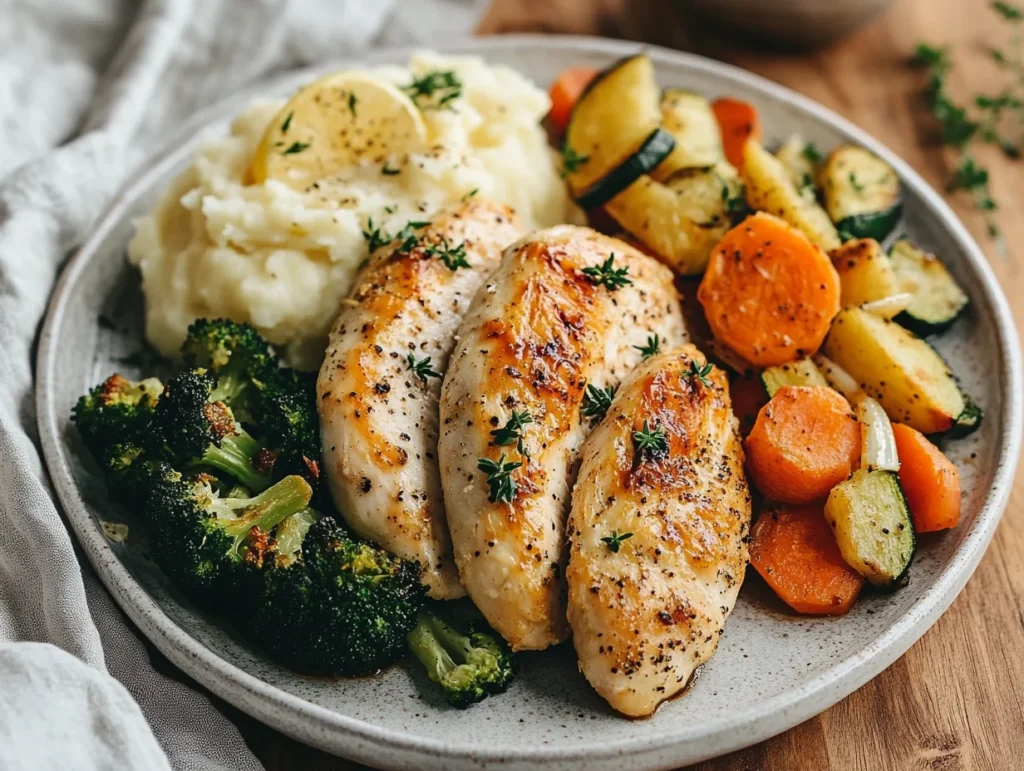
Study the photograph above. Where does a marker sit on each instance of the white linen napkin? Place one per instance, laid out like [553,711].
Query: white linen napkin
[89,89]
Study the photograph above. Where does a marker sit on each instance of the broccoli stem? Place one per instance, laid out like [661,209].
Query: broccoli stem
[292,532]
[237,516]
[426,641]
[230,390]
[234,457]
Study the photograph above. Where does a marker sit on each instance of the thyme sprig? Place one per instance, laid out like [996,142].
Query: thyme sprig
[596,401]
[454,257]
[650,442]
[512,432]
[652,347]
[421,368]
[435,90]
[607,275]
[614,541]
[699,372]
[502,486]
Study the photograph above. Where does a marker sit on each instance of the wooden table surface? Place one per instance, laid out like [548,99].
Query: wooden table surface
[956,699]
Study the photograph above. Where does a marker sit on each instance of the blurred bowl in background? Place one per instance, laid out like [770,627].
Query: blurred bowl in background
[789,22]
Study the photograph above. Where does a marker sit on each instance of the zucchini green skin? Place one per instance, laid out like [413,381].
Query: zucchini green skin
[876,225]
[901,579]
[968,420]
[652,152]
[925,327]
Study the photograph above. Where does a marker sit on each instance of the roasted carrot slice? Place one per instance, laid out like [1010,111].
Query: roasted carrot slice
[738,121]
[768,293]
[565,91]
[805,441]
[794,550]
[930,481]
[748,397]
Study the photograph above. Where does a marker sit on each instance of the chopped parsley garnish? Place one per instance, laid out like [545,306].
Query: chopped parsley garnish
[1008,11]
[454,257]
[614,541]
[352,103]
[390,209]
[649,442]
[295,147]
[470,194]
[700,372]
[857,186]
[596,401]
[811,153]
[652,347]
[571,160]
[387,171]
[287,122]
[421,368]
[736,206]
[499,478]
[512,432]
[435,90]
[607,275]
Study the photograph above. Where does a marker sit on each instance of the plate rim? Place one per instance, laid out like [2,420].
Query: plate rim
[364,741]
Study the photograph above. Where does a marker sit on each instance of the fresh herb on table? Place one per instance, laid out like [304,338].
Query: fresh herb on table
[650,442]
[295,147]
[512,432]
[700,373]
[435,90]
[454,257]
[959,129]
[571,160]
[614,541]
[421,368]
[607,275]
[596,401]
[499,478]
[652,347]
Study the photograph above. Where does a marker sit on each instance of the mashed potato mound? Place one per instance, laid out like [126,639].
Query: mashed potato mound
[283,259]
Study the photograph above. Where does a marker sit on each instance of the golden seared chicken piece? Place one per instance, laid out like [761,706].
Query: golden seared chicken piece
[659,517]
[564,316]
[379,384]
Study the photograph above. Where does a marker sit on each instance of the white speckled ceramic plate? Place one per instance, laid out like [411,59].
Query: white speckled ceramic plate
[772,670]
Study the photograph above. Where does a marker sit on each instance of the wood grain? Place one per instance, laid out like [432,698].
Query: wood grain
[956,699]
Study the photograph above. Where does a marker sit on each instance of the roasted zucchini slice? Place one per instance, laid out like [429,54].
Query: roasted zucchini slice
[802,372]
[870,518]
[905,374]
[800,159]
[937,299]
[770,189]
[688,118]
[865,272]
[862,193]
[682,218]
[645,159]
[616,115]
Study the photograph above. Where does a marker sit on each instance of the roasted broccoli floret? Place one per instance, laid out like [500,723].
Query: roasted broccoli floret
[469,664]
[211,545]
[235,353]
[284,408]
[196,429]
[340,608]
[114,420]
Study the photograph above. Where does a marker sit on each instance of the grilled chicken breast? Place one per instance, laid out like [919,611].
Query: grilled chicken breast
[555,319]
[379,384]
[658,530]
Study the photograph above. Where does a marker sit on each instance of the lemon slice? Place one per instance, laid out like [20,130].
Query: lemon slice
[338,121]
